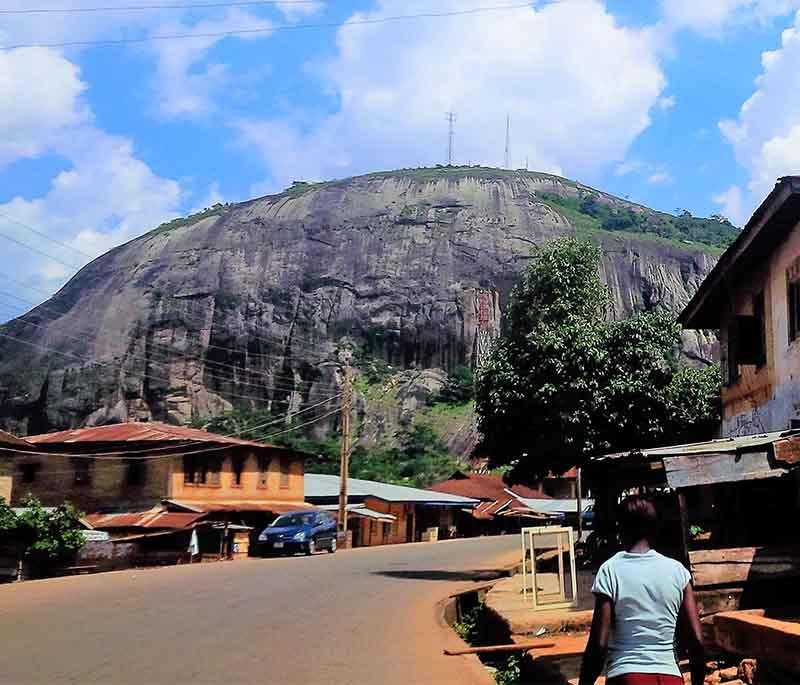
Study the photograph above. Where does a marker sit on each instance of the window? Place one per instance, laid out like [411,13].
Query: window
[237,466]
[747,339]
[285,468]
[28,472]
[135,473]
[793,298]
[263,471]
[201,470]
[82,471]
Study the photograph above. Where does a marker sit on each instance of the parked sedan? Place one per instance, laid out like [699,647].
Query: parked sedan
[298,531]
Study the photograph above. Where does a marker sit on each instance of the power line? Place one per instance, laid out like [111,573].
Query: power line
[137,8]
[273,29]
[206,374]
[264,400]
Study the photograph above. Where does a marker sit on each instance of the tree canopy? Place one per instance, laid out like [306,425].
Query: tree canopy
[565,382]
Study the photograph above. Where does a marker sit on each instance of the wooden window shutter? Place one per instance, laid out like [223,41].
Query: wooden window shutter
[749,340]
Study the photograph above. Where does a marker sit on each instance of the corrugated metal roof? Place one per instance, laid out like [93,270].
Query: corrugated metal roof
[138,431]
[323,485]
[556,506]
[483,486]
[8,439]
[211,506]
[359,510]
[147,519]
[718,446]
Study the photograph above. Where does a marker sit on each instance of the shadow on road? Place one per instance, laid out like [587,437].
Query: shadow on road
[478,576]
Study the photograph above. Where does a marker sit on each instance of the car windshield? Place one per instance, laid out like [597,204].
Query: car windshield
[292,520]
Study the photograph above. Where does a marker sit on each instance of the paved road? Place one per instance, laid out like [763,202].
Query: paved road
[361,616]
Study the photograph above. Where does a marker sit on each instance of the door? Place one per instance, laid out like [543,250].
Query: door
[409,527]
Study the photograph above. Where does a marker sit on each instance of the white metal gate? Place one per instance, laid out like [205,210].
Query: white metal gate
[544,590]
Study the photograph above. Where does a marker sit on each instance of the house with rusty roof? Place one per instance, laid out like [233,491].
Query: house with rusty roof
[135,478]
[10,447]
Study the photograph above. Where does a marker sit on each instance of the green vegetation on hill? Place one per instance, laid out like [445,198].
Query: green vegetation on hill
[588,213]
[167,226]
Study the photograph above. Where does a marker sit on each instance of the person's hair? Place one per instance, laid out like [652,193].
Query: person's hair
[638,518]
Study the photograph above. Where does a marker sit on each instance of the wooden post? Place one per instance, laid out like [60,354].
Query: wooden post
[684,522]
[344,464]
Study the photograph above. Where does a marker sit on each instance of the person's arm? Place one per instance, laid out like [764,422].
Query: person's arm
[594,658]
[694,636]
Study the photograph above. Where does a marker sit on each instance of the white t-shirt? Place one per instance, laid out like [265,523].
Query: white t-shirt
[647,592]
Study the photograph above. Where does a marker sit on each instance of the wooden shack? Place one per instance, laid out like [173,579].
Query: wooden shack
[729,508]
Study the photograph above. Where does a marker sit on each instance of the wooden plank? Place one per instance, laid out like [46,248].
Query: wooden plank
[707,469]
[523,647]
[683,512]
[737,566]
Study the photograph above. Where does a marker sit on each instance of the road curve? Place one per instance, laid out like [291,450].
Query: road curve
[360,616]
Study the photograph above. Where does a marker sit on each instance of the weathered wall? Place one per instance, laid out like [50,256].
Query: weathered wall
[765,398]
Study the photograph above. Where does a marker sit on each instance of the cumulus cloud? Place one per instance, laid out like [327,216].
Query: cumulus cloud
[712,17]
[731,204]
[579,88]
[105,197]
[766,135]
[294,11]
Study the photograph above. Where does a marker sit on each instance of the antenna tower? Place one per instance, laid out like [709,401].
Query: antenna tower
[451,119]
[508,130]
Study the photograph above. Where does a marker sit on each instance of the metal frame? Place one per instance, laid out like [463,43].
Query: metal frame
[528,535]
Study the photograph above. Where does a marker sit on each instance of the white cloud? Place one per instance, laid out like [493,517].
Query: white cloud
[185,84]
[572,113]
[659,177]
[212,197]
[107,195]
[294,10]
[713,17]
[766,135]
[666,102]
[40,96]
[731,203]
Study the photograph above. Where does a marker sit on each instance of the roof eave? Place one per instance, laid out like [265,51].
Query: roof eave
[700,312]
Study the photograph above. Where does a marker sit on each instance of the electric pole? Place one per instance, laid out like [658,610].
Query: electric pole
[344,465]
[508,131]
[451,119]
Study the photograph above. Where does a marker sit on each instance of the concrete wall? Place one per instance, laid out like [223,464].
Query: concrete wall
[55,482]
[768,397]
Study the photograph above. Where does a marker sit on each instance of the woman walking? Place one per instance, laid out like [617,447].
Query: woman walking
[640,595]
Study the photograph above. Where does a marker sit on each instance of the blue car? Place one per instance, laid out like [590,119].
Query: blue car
[298,531]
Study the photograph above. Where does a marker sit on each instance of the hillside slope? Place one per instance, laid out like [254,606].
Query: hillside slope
[246,304]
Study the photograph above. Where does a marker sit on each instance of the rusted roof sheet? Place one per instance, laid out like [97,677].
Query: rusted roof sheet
[138,431]
[13,440]
[148,520]
[483,487]
[211,506]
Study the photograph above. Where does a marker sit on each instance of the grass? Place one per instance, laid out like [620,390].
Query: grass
[217,210]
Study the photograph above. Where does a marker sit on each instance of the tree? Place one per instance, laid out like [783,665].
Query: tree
[564,382]
[458,388]
[42,536]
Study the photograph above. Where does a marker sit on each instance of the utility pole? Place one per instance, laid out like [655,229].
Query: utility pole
[344,465]
[579,503]
[508,131]
[451,119]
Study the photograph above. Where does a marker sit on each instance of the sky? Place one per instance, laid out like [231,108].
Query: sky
[114,120]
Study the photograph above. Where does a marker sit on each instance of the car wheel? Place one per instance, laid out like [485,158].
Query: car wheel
[332,548]
[312,547]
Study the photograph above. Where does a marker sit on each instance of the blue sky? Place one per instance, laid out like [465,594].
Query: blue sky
[641,98]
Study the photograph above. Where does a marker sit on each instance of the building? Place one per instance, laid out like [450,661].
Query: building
[501,509]
[752,296]
[136,467]
[380,513]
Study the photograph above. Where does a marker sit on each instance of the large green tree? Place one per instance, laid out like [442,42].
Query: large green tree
[565,382]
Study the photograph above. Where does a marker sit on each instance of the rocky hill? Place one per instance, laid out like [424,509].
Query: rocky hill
[247,304]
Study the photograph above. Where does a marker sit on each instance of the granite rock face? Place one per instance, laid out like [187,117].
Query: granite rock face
[249,305]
